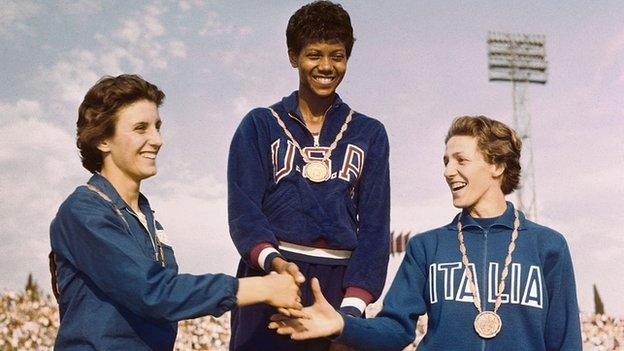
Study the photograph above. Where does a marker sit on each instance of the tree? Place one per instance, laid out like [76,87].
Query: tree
[598,305]
[32,288]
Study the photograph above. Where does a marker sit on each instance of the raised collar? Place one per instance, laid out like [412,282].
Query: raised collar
[290,104]
[505,220]
[109,190]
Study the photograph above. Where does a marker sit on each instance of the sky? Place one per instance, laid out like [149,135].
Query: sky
[415,66]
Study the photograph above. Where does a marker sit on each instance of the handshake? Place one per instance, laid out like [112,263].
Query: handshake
[281,289]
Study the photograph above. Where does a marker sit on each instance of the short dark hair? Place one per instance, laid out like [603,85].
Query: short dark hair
[97,114]
[319,21]
[498,144]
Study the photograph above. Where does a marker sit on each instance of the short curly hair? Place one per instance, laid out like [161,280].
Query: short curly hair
[319,21]
[97,114]
[498,144]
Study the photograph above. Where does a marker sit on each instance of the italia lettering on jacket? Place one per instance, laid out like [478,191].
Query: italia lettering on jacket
[352,164]
[448,281]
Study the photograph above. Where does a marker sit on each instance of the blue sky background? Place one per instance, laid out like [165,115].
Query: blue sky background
[415,66]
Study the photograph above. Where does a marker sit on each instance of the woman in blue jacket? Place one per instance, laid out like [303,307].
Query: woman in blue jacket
[489,280]
[309,185]
[116,273]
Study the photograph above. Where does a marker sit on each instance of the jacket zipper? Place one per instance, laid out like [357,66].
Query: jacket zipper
[484,301]
[315,138]
[147,231]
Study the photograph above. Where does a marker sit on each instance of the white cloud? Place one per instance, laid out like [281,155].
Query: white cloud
[140,44]
[39,166]
[130,31]
[14,16]
[80,7]
[73,75]
[214,26]
[193,211]
[177,49]
[186,5]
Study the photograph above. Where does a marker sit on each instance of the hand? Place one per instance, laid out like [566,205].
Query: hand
[280,265]
[322,319]
[279,290]
[283,293]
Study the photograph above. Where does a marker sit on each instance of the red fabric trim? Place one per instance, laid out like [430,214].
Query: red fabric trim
[255,253]
[360,293]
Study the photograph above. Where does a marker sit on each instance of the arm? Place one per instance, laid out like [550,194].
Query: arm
[90,235]
[563,331]
[366,274]
[394,327]
[249,171]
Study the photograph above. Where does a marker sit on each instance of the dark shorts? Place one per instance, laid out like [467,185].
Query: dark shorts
[249,324]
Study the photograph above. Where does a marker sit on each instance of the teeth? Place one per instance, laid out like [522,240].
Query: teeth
[324,80]
[458,185]
[151,156]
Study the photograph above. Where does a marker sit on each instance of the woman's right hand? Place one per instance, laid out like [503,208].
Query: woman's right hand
[279,290]
[283,291]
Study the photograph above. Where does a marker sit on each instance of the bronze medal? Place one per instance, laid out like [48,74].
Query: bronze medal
[316,171]
[487,324]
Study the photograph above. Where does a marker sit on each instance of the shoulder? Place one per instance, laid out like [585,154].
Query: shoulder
[82,203]
[549,237]
[428,239]
[256,115]
[368,122]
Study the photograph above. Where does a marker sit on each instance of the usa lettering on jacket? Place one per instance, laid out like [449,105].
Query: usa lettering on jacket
[448,281]
[352,164]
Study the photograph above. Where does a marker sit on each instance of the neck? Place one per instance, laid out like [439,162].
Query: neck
[313,107]
[127,187]
[488,209]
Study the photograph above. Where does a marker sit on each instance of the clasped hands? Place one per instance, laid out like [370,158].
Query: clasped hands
[318,320]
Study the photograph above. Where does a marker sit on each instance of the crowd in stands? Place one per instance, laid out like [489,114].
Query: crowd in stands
[29,320]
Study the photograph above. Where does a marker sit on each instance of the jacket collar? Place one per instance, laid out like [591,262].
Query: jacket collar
[505,220]
[290,104]
[109,190]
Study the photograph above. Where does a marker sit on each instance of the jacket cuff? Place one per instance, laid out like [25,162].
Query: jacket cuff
[355,301]
[258,254]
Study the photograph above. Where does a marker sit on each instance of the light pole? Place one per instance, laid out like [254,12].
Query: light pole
[521,60]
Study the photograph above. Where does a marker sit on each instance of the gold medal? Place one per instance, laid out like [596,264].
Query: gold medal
[487,324]
[316,171]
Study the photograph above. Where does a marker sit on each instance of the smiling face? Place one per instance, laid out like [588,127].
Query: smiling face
[131,152]
[321,65]
[474,183]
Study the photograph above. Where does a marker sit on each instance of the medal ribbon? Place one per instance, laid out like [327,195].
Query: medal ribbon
[333,145]
[501,284]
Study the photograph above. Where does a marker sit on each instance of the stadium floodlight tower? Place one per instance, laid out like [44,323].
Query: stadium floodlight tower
[521,60]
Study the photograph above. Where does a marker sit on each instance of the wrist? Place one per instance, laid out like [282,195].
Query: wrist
[339,323]
[252,290]
[278,264]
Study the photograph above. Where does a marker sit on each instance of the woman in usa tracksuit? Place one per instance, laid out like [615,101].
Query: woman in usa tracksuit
[116,275]
[489,280]
[308,185]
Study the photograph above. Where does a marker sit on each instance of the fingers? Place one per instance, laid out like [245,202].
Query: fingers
[293,270]
[284,311]
[298,313]
[316,291]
